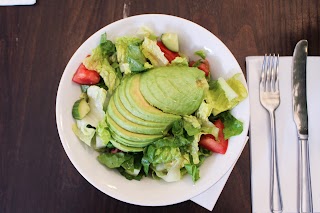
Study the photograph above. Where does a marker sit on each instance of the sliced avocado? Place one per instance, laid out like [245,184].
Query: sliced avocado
[127,142]
[171,41]
[128,125]
[175,90]
[127,114]
[80,109]
[141,107]
[125,148]
[130,135]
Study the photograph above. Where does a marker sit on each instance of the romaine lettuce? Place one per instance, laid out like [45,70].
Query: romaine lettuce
[152,51]
[130,55]
[98,61]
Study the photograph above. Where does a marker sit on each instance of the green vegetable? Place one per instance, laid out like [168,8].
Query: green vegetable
[171,41]
[145,31]
[129,54]
[80,109]
[193,171]
[113,160]
[97,100]
[174,89]
[191,124]
[152,51]
[83,132]
[98,61]
[129,165]
[232,126]
[238,87]
[180,61]
[223,97]
[107,47]
[201,53]
[103,135]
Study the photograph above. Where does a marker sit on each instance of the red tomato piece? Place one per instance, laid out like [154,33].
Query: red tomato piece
[209,142]
[170,55]
[204,66]
[85,76]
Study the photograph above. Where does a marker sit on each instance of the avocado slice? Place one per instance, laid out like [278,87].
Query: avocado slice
[124,147]
[127,114]
[140,107]
[127,142]
[128,125]
[130,135]
[176,90]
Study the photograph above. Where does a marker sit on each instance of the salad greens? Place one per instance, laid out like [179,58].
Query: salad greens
[134,88]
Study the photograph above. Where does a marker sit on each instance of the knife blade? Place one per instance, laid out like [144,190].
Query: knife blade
[300,114]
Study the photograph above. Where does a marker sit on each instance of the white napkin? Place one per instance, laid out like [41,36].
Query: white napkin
[209,198]
[16,2]
[286,136]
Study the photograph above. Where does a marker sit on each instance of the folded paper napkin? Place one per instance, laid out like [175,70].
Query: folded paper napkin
[287,141]
[209,198]
[16,2]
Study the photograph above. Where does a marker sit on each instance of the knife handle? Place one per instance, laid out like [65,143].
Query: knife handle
[275,192]
[305,191]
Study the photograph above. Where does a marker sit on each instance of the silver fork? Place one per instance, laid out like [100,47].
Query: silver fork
[270,100]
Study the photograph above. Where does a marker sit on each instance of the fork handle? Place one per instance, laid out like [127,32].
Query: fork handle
[305,192]
[275,192]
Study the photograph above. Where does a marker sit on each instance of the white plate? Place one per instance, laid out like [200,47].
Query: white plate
[149,192]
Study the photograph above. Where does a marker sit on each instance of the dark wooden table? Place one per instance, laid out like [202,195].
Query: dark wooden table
[36,43]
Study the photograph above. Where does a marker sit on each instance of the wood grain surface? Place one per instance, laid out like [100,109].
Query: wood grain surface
[36,43]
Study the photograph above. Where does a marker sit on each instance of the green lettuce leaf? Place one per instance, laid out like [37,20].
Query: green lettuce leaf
[201,53]
[97,101]
[103,135]
[145,31]
[232,126]
[130,55]
[99,62]
[83,132]
[193,171]
[225,95]
[107,47]
[238,87]
[191,124]
[113,160]
[152,51]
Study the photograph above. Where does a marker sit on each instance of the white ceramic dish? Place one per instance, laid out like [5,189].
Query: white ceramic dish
[149,192]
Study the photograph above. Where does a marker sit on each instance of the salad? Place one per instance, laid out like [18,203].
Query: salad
[150,111]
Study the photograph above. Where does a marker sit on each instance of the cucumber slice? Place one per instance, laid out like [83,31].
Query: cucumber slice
[170,40]
[80,109]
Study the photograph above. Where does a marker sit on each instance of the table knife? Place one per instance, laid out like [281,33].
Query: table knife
[300,114]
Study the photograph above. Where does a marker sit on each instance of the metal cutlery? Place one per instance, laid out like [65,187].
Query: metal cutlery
[300,113]
[270,100]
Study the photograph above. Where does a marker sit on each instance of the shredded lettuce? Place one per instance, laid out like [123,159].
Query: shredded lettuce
[83,132]
[98,61]
[97,102]
[145,31]
[224,95]
[103,135]
[191,124]
[180,61]
[130,55]
[201,53]
[152,51]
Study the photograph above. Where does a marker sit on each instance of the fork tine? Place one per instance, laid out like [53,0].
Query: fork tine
[268,74]
[273,73]
[277,74]
[263,73]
